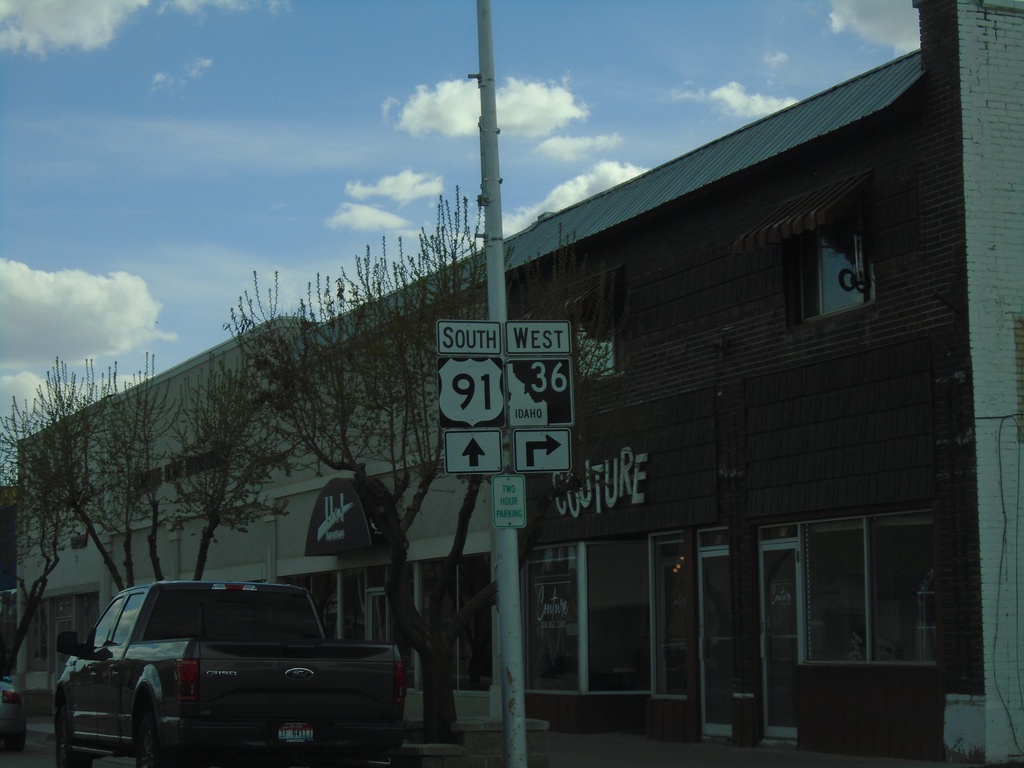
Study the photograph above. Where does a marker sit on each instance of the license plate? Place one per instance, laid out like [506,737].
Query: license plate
[295,733]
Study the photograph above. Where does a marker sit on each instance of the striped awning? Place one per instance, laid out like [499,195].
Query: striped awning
[804,213]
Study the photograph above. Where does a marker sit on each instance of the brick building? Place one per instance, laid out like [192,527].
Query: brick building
[823,348]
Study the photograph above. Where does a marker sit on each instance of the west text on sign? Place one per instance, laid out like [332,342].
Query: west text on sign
[538,337]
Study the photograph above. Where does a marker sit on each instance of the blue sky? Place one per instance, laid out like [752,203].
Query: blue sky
[155,153]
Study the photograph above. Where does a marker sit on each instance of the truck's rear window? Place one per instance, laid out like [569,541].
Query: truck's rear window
[219,615]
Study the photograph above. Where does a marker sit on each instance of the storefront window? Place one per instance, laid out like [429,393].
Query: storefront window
[836,614]
[473,647]
[323,587]
[8,620]
[38,638]
[868,589]
[353,605]
[552,620]
[903,599]
[619,616]
[673,586]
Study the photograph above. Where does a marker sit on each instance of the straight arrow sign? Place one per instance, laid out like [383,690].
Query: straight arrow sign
[472,451]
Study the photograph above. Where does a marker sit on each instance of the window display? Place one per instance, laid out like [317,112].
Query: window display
[618,616]
[868,589]
[673,587]
[552,622]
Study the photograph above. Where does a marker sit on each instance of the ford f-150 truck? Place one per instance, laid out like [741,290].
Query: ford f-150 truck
[192,673]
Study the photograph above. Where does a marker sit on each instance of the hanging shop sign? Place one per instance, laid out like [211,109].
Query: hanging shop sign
[617,481]
[338,522]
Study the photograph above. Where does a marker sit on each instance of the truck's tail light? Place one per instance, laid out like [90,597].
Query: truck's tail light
[400,682]
[11,697]
[188,679]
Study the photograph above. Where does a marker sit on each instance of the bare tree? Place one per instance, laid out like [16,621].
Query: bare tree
[352,376]
[133,420]
[44,452]
[226,453]
[86,459]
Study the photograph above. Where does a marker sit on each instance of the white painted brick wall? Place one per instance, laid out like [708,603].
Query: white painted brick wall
[992,78]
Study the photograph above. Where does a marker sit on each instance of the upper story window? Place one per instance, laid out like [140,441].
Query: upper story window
[596,350]
[834,273]
[594,305]
[821,237]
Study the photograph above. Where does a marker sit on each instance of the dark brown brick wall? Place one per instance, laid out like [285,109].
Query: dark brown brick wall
[863,412]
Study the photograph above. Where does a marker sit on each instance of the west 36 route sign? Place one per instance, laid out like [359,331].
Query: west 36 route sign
[472,383]
[540,392]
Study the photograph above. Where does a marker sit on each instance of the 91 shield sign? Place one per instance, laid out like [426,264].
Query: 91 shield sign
[470,392]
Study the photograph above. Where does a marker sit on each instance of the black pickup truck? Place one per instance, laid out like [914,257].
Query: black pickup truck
[193,673]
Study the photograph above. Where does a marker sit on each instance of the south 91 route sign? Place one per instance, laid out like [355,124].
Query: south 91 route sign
[470,392]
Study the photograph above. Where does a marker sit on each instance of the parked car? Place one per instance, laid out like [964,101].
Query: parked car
[202,673]
[12,716]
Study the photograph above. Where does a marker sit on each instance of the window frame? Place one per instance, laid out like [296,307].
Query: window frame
[804,255]
[868,528]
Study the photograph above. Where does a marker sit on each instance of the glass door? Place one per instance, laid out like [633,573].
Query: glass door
[780,633]
[716,639]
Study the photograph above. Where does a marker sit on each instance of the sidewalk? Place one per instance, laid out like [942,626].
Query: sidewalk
[629,750]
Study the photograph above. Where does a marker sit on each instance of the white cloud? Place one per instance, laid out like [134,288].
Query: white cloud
[403,187]
[21,388]
[602,176]
[197,67]
[733,99]
[571,149]
[879,21]
[365,218]
[36,26]
[73,315]
[774,61]
[194,70]
[40,26]
[162,81]
[452,108]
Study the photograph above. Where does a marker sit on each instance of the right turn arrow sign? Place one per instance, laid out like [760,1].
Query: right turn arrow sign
[541,450]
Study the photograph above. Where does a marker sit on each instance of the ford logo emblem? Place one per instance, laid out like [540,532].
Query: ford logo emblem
[298,673]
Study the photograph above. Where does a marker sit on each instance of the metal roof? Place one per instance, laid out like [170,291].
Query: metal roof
[768,137]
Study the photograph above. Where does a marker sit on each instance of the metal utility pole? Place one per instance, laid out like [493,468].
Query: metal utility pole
[506,539]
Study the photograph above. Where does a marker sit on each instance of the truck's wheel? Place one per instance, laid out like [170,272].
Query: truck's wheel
[66,756]
[147,747]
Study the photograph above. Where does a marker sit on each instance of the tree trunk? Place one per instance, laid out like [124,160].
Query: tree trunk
[204,546]
[154,555]
[108,561]
[33,597]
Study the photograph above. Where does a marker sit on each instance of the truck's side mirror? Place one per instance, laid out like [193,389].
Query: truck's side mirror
[67,643]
